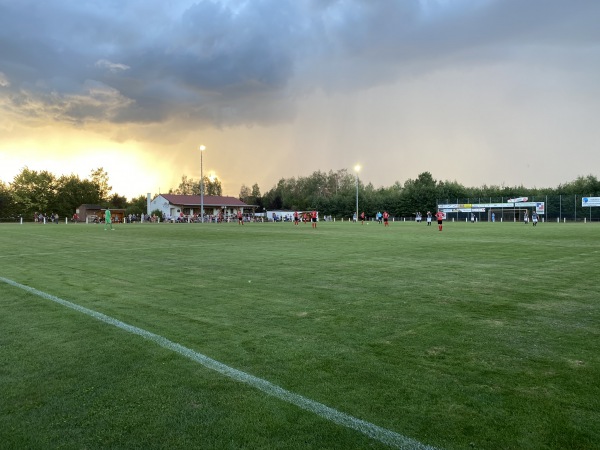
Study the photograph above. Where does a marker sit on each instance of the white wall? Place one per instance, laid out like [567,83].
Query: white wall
[161,204]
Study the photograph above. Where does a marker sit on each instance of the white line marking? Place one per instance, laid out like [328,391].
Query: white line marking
[380,434]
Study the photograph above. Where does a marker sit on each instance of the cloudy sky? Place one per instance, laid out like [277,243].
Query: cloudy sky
[496,92]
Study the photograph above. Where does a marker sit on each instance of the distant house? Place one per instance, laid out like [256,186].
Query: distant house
[173,205]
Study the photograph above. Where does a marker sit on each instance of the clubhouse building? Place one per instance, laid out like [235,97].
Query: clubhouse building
[174,206]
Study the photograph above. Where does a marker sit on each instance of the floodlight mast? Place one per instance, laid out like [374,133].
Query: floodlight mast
[201,148]
[357,169]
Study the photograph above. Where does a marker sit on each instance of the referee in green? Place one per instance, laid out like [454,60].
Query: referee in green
[107,219]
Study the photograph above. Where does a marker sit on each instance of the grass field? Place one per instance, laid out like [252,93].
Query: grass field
[482,336]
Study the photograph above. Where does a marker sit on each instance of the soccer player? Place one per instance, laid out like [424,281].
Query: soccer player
[240,218]
[386,216]
[534,218]
[362,218]
[428,218]
[107,219]
[296,218]
[313,216]
[439,216]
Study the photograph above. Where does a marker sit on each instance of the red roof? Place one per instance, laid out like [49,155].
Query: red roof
[209,200]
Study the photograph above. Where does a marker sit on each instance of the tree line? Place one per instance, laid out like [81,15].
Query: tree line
[332,193]
[42,192]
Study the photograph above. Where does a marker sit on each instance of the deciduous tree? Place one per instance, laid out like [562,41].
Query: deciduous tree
[34,191]
[100,178]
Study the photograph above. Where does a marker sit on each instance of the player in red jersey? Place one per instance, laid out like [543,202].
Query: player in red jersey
[313,218]
[240,218]
[439,216]
[362,218]
[296,219]
[386,216]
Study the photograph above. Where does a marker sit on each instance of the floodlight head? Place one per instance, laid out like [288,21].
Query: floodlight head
[357,168]
[202,148]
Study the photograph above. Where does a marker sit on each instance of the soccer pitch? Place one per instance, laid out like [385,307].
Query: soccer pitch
[270,335]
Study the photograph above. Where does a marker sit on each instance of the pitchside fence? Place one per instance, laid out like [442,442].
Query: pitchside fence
[557,208]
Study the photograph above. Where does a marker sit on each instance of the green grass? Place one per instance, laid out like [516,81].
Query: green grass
[482,336]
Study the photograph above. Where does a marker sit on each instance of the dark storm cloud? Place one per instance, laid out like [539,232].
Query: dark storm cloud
[231,62]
